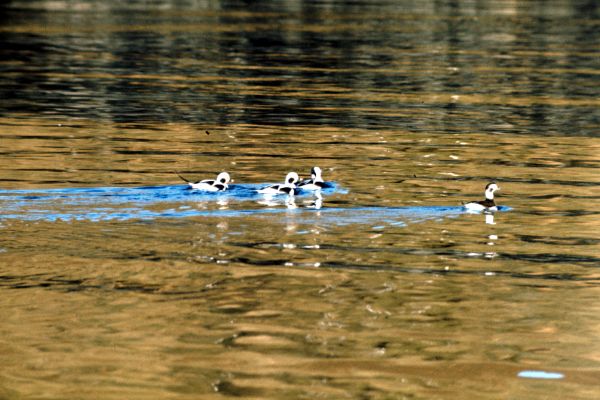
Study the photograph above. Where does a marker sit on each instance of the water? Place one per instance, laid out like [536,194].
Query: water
[116,281]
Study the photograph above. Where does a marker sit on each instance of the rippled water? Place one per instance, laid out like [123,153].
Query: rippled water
[116,281]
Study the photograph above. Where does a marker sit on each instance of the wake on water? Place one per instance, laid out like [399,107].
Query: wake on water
[177,201]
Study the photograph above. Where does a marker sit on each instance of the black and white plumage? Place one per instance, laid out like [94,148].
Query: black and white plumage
[485,205]
[282,188]
[211,185]
[315,182]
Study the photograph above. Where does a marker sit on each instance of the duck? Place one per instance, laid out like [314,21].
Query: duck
[485,205]
[211,185]
[282,188]
[315,182]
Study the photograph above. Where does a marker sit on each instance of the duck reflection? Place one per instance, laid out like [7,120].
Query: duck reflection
[315,203]
[290,201]
[492,238]
[273,201]
[223,204]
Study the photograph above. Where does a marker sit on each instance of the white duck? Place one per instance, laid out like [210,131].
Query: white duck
[211,185]
[485,205]
[282,188]
[315,182]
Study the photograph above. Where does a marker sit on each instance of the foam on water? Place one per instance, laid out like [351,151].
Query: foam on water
[535,374]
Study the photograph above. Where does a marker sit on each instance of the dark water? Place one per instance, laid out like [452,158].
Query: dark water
[116,281]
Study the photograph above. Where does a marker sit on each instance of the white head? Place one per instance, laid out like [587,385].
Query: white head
[315,174]
[223,178]
[490,189]
[291,179]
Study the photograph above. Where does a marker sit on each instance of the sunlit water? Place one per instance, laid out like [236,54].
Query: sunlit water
[117,281]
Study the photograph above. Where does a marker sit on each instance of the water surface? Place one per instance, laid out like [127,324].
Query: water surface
[116,281]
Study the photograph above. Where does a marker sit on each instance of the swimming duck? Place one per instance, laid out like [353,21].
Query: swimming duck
[282,188]
[315,182]
[217,185]
[485,205]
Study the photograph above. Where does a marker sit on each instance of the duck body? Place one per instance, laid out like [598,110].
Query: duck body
[208,185]
[485,205]
[211,185]
[287,187]
[315,182]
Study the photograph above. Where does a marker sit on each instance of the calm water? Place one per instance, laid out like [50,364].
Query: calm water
[116,282]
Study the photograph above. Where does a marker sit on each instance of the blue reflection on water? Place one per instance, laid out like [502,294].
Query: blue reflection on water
[177,201]
[119,195]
